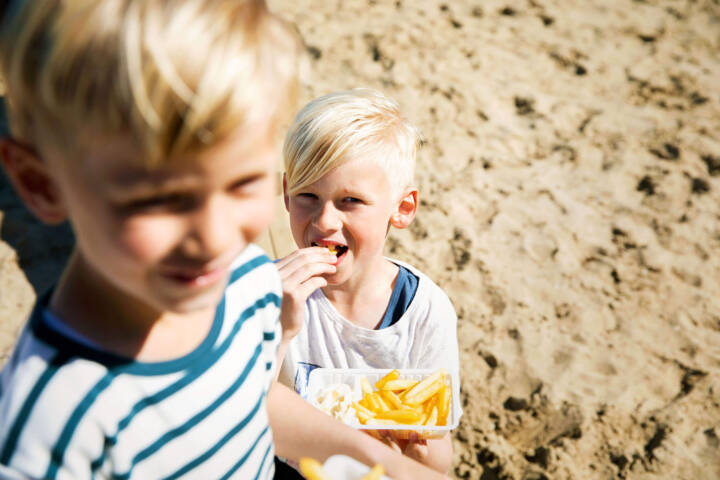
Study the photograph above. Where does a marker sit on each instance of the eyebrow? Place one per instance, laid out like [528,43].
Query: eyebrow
[138,180]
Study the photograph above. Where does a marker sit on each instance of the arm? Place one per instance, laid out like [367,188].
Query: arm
[436,346]
[301,274]
[307,432]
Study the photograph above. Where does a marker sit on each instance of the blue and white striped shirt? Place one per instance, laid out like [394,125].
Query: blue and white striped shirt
[69,411]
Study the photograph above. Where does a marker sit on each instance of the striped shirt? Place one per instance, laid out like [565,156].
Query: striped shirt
[70,411]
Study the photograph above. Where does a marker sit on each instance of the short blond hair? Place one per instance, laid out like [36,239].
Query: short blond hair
[350,125]
[176,75]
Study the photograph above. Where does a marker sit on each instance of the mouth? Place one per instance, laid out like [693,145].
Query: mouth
[195,278]
[335,249]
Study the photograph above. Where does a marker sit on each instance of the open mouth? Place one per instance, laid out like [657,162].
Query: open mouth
[337,250]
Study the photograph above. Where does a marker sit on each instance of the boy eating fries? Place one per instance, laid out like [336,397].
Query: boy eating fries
[350,161]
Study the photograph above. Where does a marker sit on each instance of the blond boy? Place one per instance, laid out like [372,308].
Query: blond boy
[350,161]
[150,126]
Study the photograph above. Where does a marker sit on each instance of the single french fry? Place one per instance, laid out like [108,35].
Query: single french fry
[400,384]
[375,473]
[404,415]
[443,403]
[420,396]
[430,404]
[365,386]
[426,383]
[372,402]
[393,375]
[391,399]
[432,420]
[443,419]
[365,402]
[384,407]
[442,393]
[312,469]
[359,408]
[363,417]
[425,416]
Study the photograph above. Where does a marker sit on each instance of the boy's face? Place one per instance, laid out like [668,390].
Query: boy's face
[350,207]
[166,237]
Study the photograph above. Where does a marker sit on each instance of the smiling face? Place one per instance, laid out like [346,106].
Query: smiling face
[166,237]
[350,208]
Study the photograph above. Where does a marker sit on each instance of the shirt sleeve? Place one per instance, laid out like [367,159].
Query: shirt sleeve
[439,338]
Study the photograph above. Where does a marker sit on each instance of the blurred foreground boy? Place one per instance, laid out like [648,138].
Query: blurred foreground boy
[150,126]
[350,163]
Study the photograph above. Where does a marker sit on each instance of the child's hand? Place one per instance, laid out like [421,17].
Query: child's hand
[414,446]
[301,273]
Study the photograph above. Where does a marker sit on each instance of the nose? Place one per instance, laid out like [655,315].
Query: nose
[212,231]
[327,218]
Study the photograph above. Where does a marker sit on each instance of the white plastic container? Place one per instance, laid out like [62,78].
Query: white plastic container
[324,377]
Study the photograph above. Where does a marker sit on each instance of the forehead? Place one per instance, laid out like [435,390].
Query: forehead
[120,160]
[356,174]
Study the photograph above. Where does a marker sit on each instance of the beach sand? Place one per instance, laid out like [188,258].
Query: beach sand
[570,199]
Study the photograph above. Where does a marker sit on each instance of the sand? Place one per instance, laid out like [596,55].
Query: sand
[570,186]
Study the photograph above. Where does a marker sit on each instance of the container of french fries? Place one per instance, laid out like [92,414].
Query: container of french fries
[426,402]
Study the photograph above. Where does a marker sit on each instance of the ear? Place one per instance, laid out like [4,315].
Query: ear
[406,209]
[286,197]
[32,181]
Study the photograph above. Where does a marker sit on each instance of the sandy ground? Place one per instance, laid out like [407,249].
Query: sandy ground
[570,187]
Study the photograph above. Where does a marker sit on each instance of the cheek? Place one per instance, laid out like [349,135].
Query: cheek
[148,240]
[299,218]
[257,215]
[371,229]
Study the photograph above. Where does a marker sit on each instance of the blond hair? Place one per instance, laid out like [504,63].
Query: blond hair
[349,125]
[176,75]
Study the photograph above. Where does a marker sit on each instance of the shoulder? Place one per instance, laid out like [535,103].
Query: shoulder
[428,290]
[41,386]
[253,268]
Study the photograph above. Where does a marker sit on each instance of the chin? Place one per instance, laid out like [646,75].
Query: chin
[191,304]
[334,280]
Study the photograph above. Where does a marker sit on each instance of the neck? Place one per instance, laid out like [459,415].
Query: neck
[96,309]
[363,298]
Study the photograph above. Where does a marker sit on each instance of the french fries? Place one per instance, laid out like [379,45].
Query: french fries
[400,401]
[312,470]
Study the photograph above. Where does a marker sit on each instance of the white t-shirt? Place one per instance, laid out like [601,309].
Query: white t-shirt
[424,337]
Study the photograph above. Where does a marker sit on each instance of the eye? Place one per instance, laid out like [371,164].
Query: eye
[351,200]
[306,196]
[246,183]
[159,203]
